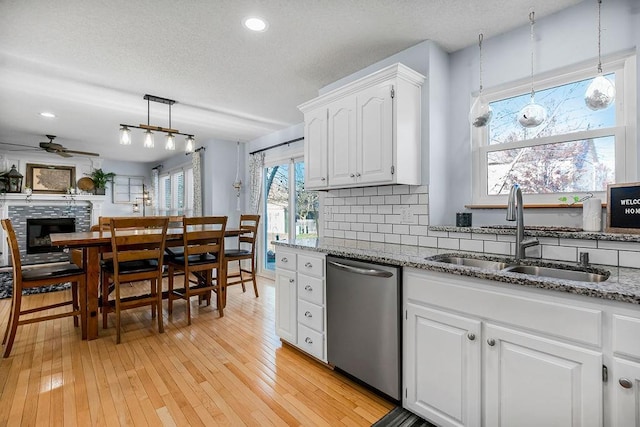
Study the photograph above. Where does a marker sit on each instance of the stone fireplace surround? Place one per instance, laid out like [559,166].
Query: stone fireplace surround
[86,209]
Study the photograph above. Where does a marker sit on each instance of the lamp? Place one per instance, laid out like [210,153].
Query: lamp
[481,111]
[532,114]
[125,131]
[237,184]
[145,201]
[12,180]
[601,92]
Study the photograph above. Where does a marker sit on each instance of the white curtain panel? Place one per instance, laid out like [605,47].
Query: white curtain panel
[256,166]
[197,184]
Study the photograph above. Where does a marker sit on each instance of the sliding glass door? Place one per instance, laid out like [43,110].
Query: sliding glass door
[289,209]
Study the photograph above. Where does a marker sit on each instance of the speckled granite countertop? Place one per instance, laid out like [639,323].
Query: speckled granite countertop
[623,284]
[541,231]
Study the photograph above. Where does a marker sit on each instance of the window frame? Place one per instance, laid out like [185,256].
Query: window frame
[187,195]
[624,131]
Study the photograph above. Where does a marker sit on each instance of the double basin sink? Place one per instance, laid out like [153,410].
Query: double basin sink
[556,271]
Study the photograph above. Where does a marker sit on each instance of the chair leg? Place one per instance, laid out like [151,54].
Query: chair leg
[117,284]
[74,299]
[220,290]
[159,303]
[83,307]
[105,300]
[244,289]
[12,326]
[170,290]
[253,276]
[154,292]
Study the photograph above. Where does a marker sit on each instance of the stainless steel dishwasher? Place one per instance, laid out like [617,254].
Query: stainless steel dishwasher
[363,322]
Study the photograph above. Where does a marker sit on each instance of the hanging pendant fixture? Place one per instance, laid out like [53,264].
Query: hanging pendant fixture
[601,92]
[481,112]
[532,114]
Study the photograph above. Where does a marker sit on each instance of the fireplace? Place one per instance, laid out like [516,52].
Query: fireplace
[39,229]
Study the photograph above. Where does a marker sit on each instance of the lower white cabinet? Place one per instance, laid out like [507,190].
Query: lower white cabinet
[465,364]
[625,389]
[300,297]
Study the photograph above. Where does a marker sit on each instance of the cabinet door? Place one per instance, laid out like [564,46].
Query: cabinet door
[442,366]
[625,387]
[286,305]
[375,134]
[342,142]
[534,381]
[315,149]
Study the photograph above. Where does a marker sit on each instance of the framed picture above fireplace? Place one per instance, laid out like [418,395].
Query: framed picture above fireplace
[50,179]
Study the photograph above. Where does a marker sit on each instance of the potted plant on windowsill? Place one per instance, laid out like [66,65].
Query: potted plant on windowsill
[100,179]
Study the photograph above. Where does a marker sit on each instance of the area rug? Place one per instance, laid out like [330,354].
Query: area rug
[400,417]
[6,286]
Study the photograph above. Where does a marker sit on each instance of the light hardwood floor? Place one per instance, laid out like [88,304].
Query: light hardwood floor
[229,371]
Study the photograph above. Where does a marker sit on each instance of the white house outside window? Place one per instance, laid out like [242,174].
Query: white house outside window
[575,152]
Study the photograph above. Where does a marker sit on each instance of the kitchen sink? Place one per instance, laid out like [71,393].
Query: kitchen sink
[473,262]
[563,272]
[558,273]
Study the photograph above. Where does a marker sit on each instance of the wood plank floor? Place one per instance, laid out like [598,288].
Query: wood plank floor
[228,371]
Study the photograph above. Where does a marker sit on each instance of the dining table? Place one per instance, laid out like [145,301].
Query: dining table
[93,243]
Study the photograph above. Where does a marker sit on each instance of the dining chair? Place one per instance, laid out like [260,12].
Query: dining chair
[137,245]
[203,243]
[246,250]
[37,277]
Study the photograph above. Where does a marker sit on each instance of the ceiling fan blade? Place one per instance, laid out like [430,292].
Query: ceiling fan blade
[84,153]
[61,153]
[18,145]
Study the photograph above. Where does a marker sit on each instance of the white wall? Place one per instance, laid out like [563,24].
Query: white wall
[122,168]
[562,40]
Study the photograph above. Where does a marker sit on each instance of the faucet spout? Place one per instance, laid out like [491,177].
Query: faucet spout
[515,212]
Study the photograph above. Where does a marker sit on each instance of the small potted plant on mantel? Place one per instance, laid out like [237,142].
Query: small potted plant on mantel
[100,179]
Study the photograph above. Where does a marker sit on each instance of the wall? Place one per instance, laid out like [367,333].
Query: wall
[122,168]
[563,39]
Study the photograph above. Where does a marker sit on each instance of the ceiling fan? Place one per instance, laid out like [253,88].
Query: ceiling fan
[52,147]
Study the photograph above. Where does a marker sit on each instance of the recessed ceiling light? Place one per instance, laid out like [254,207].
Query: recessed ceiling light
[255,24]
[48,115]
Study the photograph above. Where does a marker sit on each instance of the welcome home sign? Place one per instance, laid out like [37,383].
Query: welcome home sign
[623,208]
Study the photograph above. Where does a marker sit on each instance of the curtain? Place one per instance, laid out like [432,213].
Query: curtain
[256,166]
[197,183]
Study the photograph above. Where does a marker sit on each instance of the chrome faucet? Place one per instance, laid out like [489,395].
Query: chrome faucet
[516,213]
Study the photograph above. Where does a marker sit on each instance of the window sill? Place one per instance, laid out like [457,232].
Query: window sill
[532,206]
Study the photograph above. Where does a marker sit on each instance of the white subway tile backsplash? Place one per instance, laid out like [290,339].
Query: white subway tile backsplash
[370,191]
[482,236]
[407,239]
[355,192]
[385,209]
[433,233]
[400,229]
[560,253]
[350,217]
[392,238]
[365,200]
[363,218]
[409,199]
[376,237]
[357,226]
[350,235]
[392,219]
[376,200]
[629,259]
[345,193]
[357,209]
[377,218]
[419,230]
[502,248]
[372,209]
[430,242]
[363,235]
[391,200]
[400,189]
[602,256]
[419,189]
[383,191]
[369,227]
[620,246]
[423,219]
[471,245]
[385,228]
[550,241]
[459,235]
[583,243]
[446,243]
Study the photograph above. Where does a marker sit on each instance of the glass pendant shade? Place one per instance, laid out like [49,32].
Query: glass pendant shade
[148,139]
[136,208]
[171,142]
[189,142]
[600,94]
[125,135]
[532,114]
[481,112]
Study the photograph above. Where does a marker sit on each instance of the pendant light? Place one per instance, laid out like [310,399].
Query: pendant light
[171,142]
[532,114]
[189,143]
[125,135]
[481,112]
[601,92]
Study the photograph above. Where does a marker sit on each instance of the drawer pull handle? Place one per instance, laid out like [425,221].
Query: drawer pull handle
[491,342]
[308,314]
[284,259]
[352,175]
[471,336]
[323,178]
[625,382]
[292,280]
[308,288]
[308,340]
[308,265]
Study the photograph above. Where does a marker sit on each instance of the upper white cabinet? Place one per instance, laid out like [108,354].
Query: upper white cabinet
[366,132]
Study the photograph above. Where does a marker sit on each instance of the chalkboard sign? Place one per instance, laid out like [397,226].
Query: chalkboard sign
[623,208]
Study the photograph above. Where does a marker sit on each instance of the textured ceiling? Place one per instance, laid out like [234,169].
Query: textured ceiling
[91,62]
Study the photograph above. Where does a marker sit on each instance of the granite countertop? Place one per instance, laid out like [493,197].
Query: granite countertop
[541,231]
[623,284]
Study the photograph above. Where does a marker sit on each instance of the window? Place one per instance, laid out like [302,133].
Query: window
[176,192]
[575,151]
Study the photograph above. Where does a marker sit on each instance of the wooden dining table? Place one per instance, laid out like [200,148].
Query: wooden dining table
[93,243]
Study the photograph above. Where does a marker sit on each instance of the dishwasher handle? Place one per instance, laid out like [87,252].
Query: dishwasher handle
[358,270]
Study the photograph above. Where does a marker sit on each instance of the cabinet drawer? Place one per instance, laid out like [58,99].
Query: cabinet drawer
[311,341]
[311,315]
[311,289]
[286,259]
[626,331]
[311,265]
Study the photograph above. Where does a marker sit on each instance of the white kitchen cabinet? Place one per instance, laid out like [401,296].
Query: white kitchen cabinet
[478,356]
[442,366]
[372,133]
[624,380]
[300,297]
[535,381]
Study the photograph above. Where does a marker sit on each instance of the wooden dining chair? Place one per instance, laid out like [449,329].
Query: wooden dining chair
[203,243]
[246,251]
[137,249]
[37,277]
